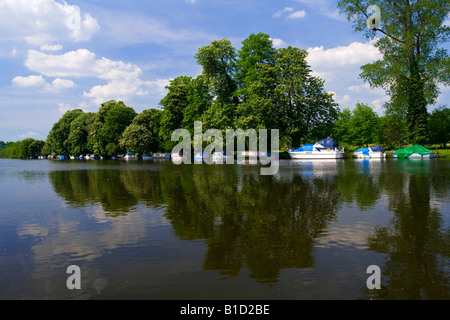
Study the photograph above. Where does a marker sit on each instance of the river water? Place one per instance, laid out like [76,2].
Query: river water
[156,230]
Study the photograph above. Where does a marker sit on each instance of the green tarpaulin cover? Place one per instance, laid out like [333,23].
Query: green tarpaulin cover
[406,152]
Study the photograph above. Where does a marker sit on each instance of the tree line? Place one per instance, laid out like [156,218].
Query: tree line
[255,87]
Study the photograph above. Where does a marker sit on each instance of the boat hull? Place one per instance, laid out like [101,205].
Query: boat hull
[371,155]
[317,155]
[419,156]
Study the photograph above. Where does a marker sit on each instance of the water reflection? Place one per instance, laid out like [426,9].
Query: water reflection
[262,224]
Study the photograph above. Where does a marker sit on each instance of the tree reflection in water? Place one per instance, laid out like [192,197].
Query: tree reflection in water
[270,223]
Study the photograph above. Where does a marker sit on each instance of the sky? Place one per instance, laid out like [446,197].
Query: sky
[60,55]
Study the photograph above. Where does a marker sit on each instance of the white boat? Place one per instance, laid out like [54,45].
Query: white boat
[201,156]
[323,149]
[161,156]
[370,152]
[129,156]
[222,157]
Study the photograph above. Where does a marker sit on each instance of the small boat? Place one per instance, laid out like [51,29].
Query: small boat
[161,156]
[201,156]
[129,156]
[414,152]
[323,149]
[222,156]
[370,152]
[146,156]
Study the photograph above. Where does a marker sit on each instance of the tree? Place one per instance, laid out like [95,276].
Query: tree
[305,110]
[142,135]
[218,62]
[24,149]
[77,140]
[112,119]
[439,126]
[364,125]
[57,138]
[256,83]
[413,61]
[174,105]
[341,128]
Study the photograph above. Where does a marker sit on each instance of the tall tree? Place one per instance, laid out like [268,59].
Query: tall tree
[364,125]
[142,135]
[218,62]
[58,135]
[412,32]
[256,81]
[112,119]
[77,140]
[174,104]
[305,110]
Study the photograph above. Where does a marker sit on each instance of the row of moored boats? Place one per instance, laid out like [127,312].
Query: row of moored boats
[323,149]
[329,149]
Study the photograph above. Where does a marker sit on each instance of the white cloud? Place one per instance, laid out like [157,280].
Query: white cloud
[39,22]
[356,53]
[278,43]
[47,47]
[60,84]
[340,68]
[279,13]
[123,79]
[30,81]
[29,134]
[39,82]
[298,14]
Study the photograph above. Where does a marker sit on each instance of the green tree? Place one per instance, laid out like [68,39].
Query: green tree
[77,140]
[364,125]
[23,149]
[414,61]
[305,110]
[218,62]
[439,126]
[112,120]
[341,128]
[174,105]
[58,135]
[142,135]
[256,80]
[393,131]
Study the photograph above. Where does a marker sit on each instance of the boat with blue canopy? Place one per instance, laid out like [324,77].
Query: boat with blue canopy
[375,151]
[324,149]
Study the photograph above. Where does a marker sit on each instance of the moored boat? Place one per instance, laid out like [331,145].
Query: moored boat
[323,149]
[375,151]
[414,152]
[146,156]
[129,156]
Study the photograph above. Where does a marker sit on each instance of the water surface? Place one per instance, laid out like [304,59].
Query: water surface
[156,230]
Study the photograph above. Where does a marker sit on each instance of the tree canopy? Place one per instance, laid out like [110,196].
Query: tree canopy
[414,62]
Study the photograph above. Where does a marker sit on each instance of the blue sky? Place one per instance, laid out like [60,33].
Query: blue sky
[52,62]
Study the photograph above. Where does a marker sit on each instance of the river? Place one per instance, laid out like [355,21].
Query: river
[156,230]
